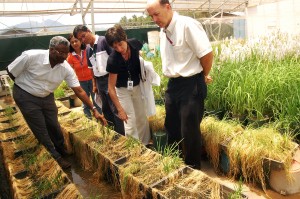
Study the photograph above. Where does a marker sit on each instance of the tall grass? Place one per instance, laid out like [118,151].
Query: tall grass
[258,77]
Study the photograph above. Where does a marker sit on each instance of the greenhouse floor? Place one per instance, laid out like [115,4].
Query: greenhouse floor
[251,191]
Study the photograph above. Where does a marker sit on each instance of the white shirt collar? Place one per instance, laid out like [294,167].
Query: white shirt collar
[96,39]
[171,26]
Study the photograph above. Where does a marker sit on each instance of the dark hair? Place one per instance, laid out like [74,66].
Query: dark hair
[71,49]
[78,29]
[163,2]
[115,34]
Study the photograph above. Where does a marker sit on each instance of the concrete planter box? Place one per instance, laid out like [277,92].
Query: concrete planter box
[285,182]
[173,186]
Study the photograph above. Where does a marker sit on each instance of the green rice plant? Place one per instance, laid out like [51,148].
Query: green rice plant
[59,93]
[171,159]
[46,185]
[238,191]
[235,94]
[159,91]
[9,111]
[61,90]
[258,77]
[132,143]
[30,159]
[26,142]
[41,187]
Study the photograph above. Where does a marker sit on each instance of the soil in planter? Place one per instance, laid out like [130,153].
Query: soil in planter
[88,184]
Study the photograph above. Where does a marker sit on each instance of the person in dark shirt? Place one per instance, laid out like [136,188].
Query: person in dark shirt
[124,89]
[97,54]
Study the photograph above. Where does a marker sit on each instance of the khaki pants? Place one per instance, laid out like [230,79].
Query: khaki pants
[137,124]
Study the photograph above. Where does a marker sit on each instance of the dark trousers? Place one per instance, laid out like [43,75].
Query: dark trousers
[184,112]
[40,114]
[108,108]
[87,86]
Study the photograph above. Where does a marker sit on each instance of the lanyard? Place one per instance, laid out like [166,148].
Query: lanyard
[170,41]
[80,58]
[128,69]
[94,51]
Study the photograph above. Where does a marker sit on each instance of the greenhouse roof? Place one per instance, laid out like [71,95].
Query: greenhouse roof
[48,7]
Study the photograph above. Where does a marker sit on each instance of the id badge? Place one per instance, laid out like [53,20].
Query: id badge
[130,85]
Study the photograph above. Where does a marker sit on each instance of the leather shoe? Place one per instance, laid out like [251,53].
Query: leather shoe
[64,164]
[64,153]
[196,167]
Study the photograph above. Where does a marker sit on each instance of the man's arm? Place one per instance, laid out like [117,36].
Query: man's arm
[17,67]
[81,94]
[206,63]
[10,75]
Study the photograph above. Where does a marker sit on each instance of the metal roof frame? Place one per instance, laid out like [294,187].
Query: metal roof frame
[100,6]
[51,7]
[72,7]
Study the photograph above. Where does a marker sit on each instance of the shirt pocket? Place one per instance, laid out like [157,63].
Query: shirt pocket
[180,51]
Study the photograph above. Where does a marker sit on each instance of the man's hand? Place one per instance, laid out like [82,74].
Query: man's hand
[100,117]
[208,79]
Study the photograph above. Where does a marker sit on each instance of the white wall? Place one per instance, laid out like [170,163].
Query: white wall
[282,15]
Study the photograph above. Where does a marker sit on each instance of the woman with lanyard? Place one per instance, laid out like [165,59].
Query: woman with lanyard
[124,90]
[77,59]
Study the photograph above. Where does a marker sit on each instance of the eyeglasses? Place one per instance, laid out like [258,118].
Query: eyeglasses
[81,36]
[61,53]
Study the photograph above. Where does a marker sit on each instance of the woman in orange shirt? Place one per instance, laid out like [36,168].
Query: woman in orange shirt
[77,59]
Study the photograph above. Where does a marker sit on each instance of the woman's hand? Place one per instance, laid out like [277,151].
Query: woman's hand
[122,115]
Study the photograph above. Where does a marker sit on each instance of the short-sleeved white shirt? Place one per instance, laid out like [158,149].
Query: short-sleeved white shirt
[33,73]
[186,44]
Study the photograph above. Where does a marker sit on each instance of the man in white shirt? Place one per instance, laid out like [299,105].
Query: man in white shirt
[187,60]
[97,55]
[37,73]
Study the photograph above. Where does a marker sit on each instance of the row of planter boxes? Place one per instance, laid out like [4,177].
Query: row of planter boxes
[282,180]
[135,170]
[30,170]
[282,175]
[70,101]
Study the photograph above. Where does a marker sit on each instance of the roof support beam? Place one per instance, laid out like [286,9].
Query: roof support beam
[82,13]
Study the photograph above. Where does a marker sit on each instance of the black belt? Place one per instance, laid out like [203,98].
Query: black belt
[16,85]
[181,77]
[104,76]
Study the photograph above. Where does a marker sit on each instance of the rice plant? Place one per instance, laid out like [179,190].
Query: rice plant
[258,78]
[247,150]
[216,132]
[171,159]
